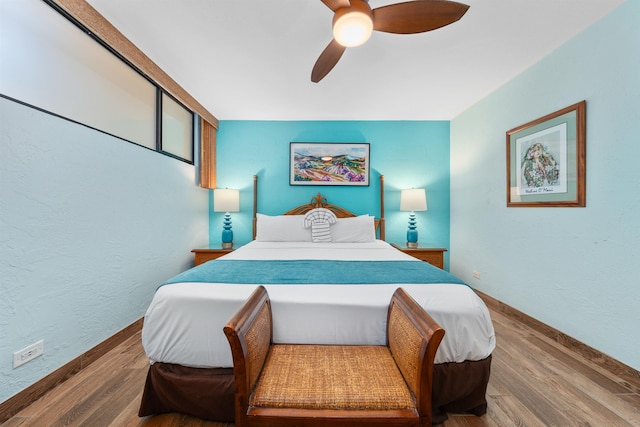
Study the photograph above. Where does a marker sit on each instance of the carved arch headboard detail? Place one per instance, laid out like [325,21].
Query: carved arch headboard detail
[320,201]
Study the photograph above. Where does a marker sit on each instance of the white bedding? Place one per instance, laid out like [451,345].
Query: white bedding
[184,322]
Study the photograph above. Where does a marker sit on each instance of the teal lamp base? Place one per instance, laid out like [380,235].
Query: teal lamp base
[227,233]
[412,233]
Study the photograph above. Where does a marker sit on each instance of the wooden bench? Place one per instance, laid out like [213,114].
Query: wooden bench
[333,385]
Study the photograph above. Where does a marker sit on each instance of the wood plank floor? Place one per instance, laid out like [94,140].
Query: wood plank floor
[534,382]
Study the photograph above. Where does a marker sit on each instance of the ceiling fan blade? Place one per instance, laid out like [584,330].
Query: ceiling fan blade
[336,4]
[327,60]
[417,16]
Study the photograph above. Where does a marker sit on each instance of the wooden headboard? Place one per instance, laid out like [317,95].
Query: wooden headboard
[320,201]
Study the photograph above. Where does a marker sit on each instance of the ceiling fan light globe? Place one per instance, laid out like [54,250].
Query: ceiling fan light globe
[352,29]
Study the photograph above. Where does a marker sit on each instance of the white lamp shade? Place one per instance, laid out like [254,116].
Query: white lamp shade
[226,200]
[413,199]
[352,29]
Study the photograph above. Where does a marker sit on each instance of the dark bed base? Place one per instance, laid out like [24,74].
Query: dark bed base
[460,388]
[203,393]
[208,393]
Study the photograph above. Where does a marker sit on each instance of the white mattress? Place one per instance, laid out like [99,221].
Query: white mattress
[184,322]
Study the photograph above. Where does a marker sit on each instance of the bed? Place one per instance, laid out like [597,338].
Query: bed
[322,292]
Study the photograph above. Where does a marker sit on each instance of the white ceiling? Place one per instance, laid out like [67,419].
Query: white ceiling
[252,59]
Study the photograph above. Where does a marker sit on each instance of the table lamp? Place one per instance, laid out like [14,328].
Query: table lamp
[226,200]
[414,199]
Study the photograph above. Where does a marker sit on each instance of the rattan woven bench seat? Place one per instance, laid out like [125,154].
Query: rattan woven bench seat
[331,377]
[317,385]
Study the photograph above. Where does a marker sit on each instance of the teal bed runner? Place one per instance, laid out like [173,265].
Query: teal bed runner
[328,272]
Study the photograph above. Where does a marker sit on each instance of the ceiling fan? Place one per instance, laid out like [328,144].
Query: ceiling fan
[354,21]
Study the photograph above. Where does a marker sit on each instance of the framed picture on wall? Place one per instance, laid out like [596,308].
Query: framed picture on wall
[546,160]
[330,163]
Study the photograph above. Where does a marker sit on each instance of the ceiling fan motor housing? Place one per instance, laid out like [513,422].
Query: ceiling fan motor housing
[353,25]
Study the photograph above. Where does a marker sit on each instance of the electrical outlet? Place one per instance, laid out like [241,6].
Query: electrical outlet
[27,354]
[476,275]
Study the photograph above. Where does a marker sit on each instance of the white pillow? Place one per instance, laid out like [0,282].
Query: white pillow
[281,228]
[358,229]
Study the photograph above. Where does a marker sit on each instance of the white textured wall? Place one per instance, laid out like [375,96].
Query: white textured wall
[575,269]
[89,226]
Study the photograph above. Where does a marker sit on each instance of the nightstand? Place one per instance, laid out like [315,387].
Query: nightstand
[204,255]
[434,256]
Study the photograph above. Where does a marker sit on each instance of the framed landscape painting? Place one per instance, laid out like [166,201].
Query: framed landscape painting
[546,160]
[313,163]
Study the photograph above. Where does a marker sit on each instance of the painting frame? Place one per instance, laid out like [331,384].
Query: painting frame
[329,163]
[546,160]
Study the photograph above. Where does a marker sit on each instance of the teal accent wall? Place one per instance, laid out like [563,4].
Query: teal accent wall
[408,154]
[574,269]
